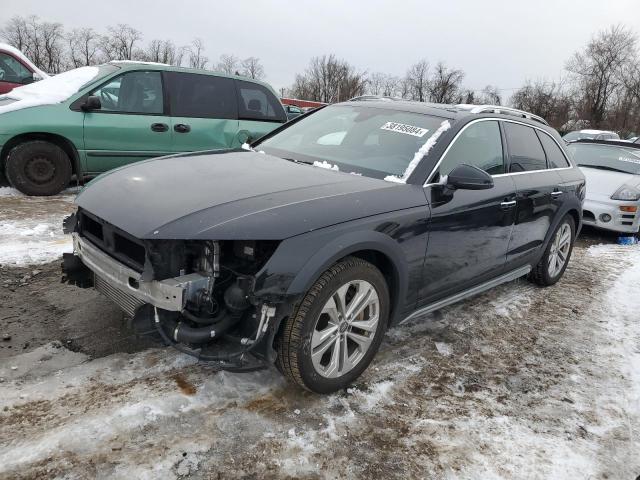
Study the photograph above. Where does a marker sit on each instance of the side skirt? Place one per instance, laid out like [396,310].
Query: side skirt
[507,277]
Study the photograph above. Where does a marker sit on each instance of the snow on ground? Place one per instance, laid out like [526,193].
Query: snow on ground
[520,382]
[31,227]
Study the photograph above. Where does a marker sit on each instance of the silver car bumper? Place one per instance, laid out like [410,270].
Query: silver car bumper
[125,286]
[625,222]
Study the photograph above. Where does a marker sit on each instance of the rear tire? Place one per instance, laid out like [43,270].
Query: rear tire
[312,344]
[557,254]
[38,168]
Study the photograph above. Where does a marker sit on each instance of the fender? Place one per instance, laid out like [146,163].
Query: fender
[573,204]
[292,275]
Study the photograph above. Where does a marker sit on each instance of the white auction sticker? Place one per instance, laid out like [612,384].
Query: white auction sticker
[406,129]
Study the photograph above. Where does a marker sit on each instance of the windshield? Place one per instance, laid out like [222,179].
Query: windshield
[375,142]
[615,158]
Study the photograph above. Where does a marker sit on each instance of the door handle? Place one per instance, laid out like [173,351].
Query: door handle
[556,194]
[182,128]
[508,205]
[159,127]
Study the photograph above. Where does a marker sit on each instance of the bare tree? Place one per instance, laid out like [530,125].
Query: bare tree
[418,81]
[164,51]
[329,79]
[228,64]
[546,99]
[390,86]
[83,44]
[491,95]
[444,85]
[15,32]
[375,83]
[598,70]
[197,59]
[120,43]
[252,68]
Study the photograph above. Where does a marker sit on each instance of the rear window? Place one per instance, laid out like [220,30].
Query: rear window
[525,150]
[555,157]
[606,157]
[201,96]
[256,102]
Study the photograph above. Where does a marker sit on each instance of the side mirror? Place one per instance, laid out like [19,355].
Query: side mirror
[91,103]
[468,177]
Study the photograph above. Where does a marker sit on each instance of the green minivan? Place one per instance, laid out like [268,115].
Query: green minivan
[92,119]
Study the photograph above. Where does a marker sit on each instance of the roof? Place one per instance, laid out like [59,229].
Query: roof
[448,111]
[131,64]
[608,143]
[595,132]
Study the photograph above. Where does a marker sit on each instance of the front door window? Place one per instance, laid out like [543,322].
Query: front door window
[132,92]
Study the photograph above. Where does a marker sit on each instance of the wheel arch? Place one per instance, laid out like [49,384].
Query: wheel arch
[64,143]
[374,247]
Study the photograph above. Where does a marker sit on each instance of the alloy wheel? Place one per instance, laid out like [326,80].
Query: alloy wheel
[559,250]
[345,329]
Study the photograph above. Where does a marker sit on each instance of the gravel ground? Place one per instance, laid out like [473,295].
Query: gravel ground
[519,382]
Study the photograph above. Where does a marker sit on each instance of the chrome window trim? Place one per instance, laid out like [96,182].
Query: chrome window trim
[492,119]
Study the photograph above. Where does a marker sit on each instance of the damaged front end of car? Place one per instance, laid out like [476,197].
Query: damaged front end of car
[198,296]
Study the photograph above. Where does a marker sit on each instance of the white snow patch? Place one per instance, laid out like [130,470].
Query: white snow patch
[17,53]
[49,91]
[444,348]
[327,165]
[420,154]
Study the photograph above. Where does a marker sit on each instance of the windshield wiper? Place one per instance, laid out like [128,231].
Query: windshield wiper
[604,167]
[296,161]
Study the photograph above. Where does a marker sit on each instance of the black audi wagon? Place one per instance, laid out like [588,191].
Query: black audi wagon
[302,248]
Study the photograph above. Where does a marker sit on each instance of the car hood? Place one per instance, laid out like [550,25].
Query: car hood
[236,195]
[605,183]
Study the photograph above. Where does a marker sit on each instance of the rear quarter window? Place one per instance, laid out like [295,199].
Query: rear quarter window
[555,157]
[256,102]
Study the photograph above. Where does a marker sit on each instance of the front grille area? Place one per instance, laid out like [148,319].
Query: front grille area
[112,240]
[126,302]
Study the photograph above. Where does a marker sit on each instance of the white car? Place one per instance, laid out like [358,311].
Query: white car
[590,135]
[612,170]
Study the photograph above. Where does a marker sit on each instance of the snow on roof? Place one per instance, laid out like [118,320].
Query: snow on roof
[17,53]
[49,91]
[596,132]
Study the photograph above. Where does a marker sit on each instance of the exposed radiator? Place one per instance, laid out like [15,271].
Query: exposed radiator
[126,302]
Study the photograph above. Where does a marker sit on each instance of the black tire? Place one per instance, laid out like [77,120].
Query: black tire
[541,274]
[294,341]
[38,168]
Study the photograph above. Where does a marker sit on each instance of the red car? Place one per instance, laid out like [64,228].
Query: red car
[16,69]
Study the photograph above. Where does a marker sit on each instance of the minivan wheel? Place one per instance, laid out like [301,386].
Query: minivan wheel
[336,330]
[38,168]
[557,254]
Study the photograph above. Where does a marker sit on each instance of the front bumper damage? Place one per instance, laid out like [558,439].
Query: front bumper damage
[237,339]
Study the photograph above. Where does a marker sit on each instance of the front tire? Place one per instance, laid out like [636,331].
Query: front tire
[336,330]
[38,168]
[557,254]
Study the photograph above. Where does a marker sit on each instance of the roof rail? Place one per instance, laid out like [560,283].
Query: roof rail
[373,97]
[502,110]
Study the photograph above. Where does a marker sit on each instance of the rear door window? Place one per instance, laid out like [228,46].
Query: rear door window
[525,151]
[202,96]
[555,157]
[256,102]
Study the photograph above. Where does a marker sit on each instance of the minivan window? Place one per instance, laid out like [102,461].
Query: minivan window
[201,96]
[555,157]
[11,70]
[256,102]
[525,151]
[132,92]
[479,145]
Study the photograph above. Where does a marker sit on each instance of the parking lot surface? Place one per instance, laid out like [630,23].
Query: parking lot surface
[520,382]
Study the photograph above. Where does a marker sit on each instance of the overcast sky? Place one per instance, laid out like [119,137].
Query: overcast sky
[499,42]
